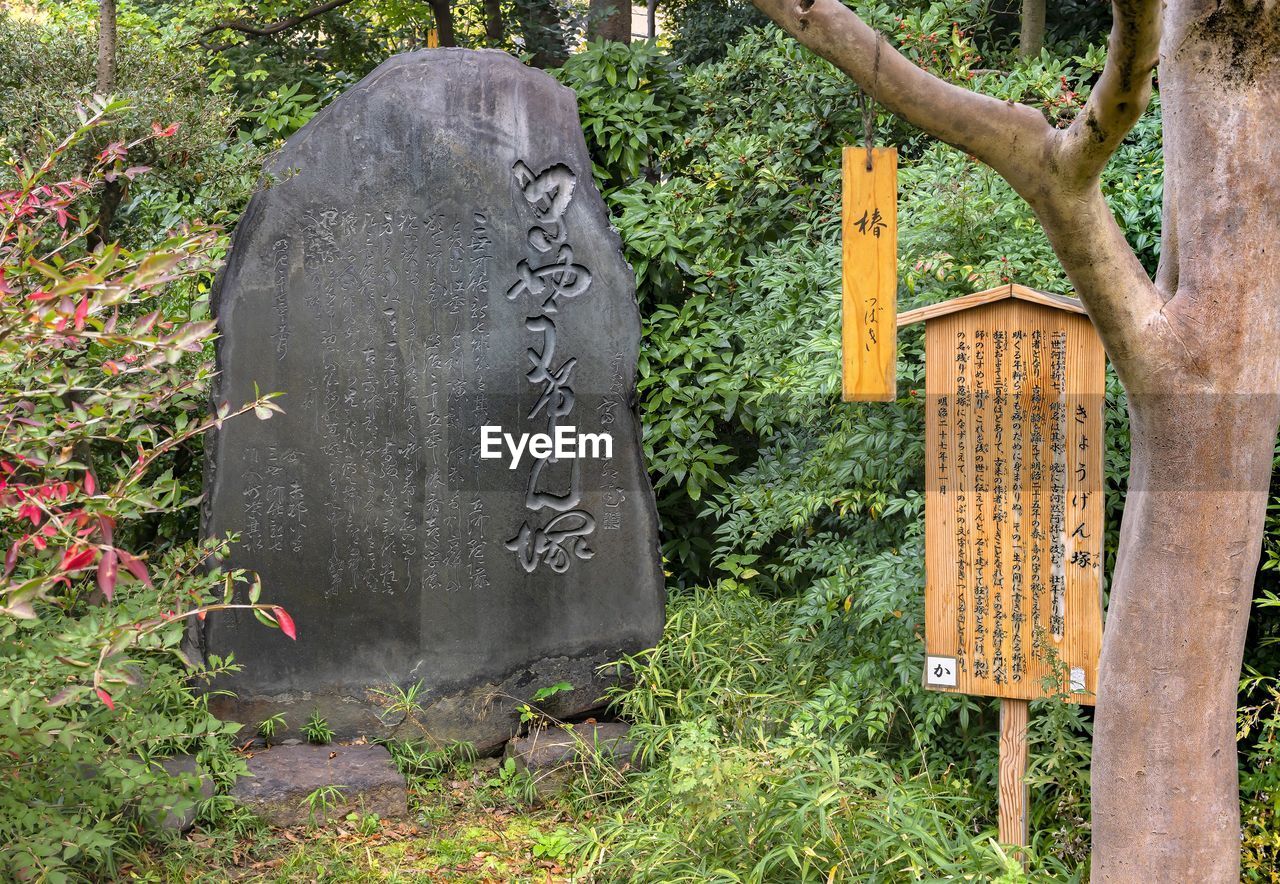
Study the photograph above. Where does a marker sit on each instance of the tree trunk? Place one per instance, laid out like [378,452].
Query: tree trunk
[113,191]
[1165,793]
[543,32]
[1031,38]
[443,12]
[1198,351]
[494,31]
[106,82]
[609,20]
[108,203]
[651,16]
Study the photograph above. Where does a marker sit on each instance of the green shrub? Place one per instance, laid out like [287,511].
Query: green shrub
[631,105]
[101,383]
[794,521]
[196,173]
[317,730]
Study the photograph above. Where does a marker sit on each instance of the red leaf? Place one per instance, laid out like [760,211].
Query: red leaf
[286,622]
[106,526]
[135,566]
[76,561]
[90,485]
[107,570]
[113,151]
[106,698]
[144,323]
[62,697]
[82,311]
[11,559]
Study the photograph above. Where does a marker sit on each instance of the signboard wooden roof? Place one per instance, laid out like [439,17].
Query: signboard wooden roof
[1015,383]
[990,296]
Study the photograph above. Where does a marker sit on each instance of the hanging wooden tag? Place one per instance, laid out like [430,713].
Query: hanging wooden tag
[869,274]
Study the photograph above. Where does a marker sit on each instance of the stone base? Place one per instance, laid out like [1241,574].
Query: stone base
[554,756]
[283,777]
[485,715]
[180,816]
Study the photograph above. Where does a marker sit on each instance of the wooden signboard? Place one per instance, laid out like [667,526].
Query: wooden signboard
[869,275]
[1015,381]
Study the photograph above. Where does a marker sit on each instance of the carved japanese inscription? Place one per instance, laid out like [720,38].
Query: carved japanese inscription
[455,494]
[1014,539]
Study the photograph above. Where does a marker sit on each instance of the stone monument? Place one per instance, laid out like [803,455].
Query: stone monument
[455,498]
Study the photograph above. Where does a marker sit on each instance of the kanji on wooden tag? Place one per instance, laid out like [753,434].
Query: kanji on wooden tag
[869,274]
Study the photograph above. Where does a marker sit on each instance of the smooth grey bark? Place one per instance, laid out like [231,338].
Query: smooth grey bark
[105,84]
[1166,804]
[1031,34]
[106,66]
[1198,351]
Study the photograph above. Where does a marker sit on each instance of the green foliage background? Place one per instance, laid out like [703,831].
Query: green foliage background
[784,711]
[784,728]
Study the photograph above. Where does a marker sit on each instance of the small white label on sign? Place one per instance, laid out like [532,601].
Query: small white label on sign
[940,671]
[1077,678]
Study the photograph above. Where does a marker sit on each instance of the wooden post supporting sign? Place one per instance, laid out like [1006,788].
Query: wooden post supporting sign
[1013,771]
[869,274]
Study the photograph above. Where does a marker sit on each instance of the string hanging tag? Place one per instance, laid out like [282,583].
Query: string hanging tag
[869,271]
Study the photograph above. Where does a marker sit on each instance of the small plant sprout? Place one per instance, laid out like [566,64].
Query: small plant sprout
[530,714]
[321,802]
[516,784]
[554,846]
[317,730]
[364,823]
[419,761]
[269,727]
[402,702]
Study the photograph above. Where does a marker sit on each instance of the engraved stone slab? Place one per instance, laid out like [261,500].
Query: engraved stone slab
[432,258]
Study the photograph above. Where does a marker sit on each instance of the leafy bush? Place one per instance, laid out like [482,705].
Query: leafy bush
[740,786]
[702,30]
[631,105]
[790,666]
[100,385]
[1259,732]
[195,173]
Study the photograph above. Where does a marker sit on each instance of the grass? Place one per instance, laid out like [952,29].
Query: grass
[461,829]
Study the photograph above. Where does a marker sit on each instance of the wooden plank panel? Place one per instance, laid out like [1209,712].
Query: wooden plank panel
[1013,501]
[869,275]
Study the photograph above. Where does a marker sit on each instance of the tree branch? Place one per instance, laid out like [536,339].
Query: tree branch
[1121,94]
[1011,138]
[1120,297]
[244,26]
[1056,171]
